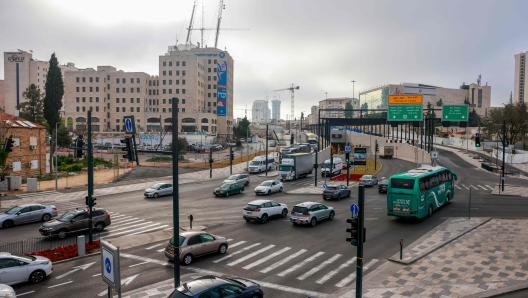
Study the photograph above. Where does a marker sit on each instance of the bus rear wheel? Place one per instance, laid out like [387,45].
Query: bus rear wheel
[430,211]
[447,200]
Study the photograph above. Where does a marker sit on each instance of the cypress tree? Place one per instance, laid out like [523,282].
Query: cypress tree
[54,91]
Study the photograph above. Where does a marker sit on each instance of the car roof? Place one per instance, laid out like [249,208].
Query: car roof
[191,233]
[204,283]
[307,204]
[5,254]
[230,182]
[27,205]
[270,181]
[258,202]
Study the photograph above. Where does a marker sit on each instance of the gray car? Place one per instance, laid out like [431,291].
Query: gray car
[336,192]
[369,180]
[311,213]
[158,189]
[238,178]
[27,213]
[75,221]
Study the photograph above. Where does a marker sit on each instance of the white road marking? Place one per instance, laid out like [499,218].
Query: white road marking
[139,258]
[75,269]
[490,187]
[148,230]
[25,293]
[96,274]
[236,253]
[118,216]
[334,272]
[352,276]
[482,187]
[283,261]
[144,225]
[61,284]
[237,244]
[465,187]
[160,250]
[251,255]
[458,187]
[154,246]
[229,240]
[321,266]
[138,264]
[268,257]
[474,187]
[300,264]
[124,282]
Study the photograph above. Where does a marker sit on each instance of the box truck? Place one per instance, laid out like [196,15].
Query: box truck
[295,165]
[386,152]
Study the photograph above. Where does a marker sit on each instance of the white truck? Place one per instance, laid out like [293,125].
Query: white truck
[386,152]
[295,165]
[334,169]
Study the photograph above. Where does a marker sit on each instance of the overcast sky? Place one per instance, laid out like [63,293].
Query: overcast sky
[319,45]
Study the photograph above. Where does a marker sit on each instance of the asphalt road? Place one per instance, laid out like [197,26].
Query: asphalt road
[322,249]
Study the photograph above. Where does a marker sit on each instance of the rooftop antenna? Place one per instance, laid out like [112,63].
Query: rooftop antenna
[511,97]
[478,80]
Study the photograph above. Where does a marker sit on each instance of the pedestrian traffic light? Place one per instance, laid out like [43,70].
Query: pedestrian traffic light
[79,145]
[347,157]
[477,141]
[291,139]
[9,144]
[354,231]
[129,154]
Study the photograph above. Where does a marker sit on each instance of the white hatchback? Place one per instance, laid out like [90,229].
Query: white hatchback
[268,187]
[261,210]
[16,269]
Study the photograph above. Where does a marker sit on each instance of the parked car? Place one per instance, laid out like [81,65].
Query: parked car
[195,244]
[213,286]
[369,180]
[336,192]
[311,213]
[261,210]
[75,221]
[7,291]
[16,269]
[27,213]
[238,178]
[158,189]
[382,186]
[268,187]
[229,188]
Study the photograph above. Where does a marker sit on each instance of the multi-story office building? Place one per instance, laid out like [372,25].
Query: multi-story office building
[260,111]
[520,77]
[334,103]
[275,109]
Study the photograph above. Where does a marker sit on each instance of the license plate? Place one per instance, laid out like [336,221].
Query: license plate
[327,196]
[171,252]
[42,233]
[249,212]
[401,213]
[298,220]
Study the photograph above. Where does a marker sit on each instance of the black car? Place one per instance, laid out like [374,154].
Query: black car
[213,286]
[382,186]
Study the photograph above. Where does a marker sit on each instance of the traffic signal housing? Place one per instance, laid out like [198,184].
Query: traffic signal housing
[477,141]
[79,152]
[347,158]
[232,156]
[353,230]
[377,147]
[291,139]
[9,144]
[129,154]
[93,201]
[86,201]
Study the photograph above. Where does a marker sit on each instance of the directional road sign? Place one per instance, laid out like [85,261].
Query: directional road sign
[455,113]
[110,266]
[405,112]
[406,99]
[130,127]
[324,185]
[347,148]
[434,154]
[354,209]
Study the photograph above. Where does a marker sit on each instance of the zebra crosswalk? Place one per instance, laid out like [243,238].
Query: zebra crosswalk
[317,266]
[474,187]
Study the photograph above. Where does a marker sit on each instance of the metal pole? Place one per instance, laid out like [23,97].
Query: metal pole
[56,159]
[317,150]
[359,270]
[210,162]
[467,143]
[375,159]
[135,148]
[230,160]
[90,178]
[469,211]
[348,166]
[175,192]
[503,152]
[401,248]
[247,148]
[267,149]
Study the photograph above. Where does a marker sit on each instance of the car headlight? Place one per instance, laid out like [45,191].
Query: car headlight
[44,263]
[7,295]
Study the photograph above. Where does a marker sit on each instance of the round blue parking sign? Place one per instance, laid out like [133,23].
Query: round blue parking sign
[108,265]
[354,209]
[324,185]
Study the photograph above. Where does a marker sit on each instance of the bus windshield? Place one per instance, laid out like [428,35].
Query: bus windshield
[402,183]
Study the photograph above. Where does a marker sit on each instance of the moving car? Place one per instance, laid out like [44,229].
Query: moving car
[229,188]
[27,213]
[336,192]
[7,291]
[261,210]
[195,244]
[213,286]
[311,213]
[16,269]
[158,189]
[369,180]
[238,178]
[382,186]
[75,221]
[268,187]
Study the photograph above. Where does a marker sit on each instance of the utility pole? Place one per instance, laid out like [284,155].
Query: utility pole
[176,190]
[267,149]
[503,152]
[90,178]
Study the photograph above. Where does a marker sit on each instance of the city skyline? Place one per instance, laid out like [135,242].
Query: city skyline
[285,45]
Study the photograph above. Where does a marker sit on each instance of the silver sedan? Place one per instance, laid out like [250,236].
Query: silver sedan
[27,213]
[369,180]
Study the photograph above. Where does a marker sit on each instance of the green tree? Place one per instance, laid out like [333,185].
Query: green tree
[3,158]
[182,147]
[63,136]
[54,90]
[439,103]
[242,130]
[348,106]
[514,115]
[33,108]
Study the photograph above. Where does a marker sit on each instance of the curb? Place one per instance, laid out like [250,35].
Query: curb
[500,291]
[77,257]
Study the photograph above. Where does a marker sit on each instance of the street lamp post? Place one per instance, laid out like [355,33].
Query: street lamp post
[56,159]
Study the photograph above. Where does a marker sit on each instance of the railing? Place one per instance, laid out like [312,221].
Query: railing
[37,244]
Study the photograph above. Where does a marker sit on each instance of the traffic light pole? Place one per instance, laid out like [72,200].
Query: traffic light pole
[90,179]
[211,162]
[375,154]
[230,160]
[176,190]
[135,149]
[361,215]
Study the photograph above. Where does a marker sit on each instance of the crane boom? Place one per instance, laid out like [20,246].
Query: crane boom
[188,40]
[292,90]
[220,8]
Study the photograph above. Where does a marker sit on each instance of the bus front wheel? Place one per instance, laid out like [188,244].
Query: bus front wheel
[430,211]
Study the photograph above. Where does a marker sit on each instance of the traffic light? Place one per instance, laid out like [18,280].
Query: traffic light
[377,147]
[86,201]
[291,139]
[93,201]
[129,154]
[79,145]
[347,157]
[232,156]
[354,231]
[9,144]
[477,141]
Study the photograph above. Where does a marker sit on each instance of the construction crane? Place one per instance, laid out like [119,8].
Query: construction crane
[188,40]
[292,91]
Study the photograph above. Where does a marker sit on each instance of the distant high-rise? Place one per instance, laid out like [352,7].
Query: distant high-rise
[275,109]
[520,77]
[260,111]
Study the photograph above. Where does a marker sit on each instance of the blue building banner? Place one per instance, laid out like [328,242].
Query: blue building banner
[221,91]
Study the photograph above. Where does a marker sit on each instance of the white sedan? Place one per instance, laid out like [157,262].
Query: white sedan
[16,269]
[268,187]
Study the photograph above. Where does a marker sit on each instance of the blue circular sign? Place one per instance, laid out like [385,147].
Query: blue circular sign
[128,124]
[347,148]
[354,209]
[108,265]
[222,54]
[324,185]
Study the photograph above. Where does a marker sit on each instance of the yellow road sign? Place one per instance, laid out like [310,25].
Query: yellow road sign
[406,99]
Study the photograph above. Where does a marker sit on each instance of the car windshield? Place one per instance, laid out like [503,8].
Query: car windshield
[331,187]
[366,177]
[384,182]
[225,185]
[13,210]
[66,217]
[171,241]
[265,183]
[299,209]
[255,163]
[251,207]
[284,167]
[233,177]
[156,186]
[326,165]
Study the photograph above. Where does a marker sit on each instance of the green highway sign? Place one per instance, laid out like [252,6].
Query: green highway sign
[405,112]
[455,113]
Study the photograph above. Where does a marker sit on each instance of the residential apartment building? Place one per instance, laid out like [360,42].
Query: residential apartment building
[520,78]
[260,111]
[334,103]
[275,109]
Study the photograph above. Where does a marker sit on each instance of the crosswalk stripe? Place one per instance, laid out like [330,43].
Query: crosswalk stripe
[251,255]
[266,258]
[474,187]
[160,250]
[283,261]
[236,253]
[352,276]
[229,240]
[490,187]
[236,244]
[148,230]
[154,246]
[465,187]
[122,219]
[299,265]
[334,272]
[482,187]
[321,266]
[458,187]
[118,216]
[126,223]
[111,233]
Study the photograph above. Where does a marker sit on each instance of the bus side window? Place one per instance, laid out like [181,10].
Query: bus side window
[422,185]
[427,183]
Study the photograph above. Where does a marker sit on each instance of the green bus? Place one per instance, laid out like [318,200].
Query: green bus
[418,192]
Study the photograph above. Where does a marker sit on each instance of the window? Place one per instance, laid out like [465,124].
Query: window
[164,82]
[214,86]
[83,89]
[170,82]
[206,238]
[170,91]
[183,100]
[177,63]
[138,90]
[91,80]
[214,69]
[213,293]
[77,80]
[137,80]
[77,109]
[209,69]
[97,108]
[137,100]
[183,72]
[163,110]
[209,61]
[83,80]
[123,90]
[131,90]
[214,61]
[183,110]
[84,99]
[164,100]
[164,73]
[183,63]
[183,82]
[96,89]
[137,110]
[170,72]
[177,91]
[77,99]
[183,91]
[164,91]
[164,63]
[194,240]
[91,99]
[117,80]
[117,109]
[177,72]
[177,82]
[402,183]
[170,63]
[117,90]
[97,79]
[97,99]
[208,78]
[117,100]
[131,109]
[84,109]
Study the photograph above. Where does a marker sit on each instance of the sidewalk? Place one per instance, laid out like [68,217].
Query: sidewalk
[479,257]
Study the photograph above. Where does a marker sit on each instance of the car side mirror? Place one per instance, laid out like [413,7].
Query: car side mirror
[73,220]
[18,213]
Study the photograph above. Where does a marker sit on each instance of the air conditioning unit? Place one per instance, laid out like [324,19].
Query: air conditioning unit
[30,164]
[10,165]
[32,147]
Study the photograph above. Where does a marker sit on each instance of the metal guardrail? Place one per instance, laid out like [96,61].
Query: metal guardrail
[30,245]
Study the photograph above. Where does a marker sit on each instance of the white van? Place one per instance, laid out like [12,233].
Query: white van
[258,164]
[336,167]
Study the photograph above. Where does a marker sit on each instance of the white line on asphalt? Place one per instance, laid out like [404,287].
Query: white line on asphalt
[139,264]
[334,272]
[168,229]
[489,187]
[113,228]
[482,187]
[251,255]
[148,230]
[160,250]
[140,258]
[96,274]
[458,187]
[268,257]
[118,216]
[371,218]
[229,240]
[125,220]
[60,284]
[154,246]
[465,187]
[474,187]
[300,264]
[321,266]
[236,252]
[237,244]
[112,212]
[377,208]
[352,276]
[283,261]
[123,232]
[25,293]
